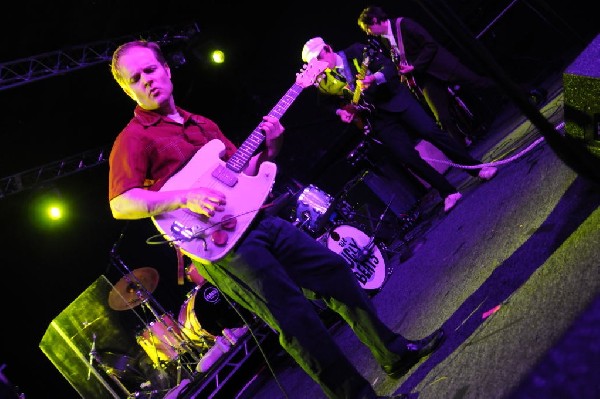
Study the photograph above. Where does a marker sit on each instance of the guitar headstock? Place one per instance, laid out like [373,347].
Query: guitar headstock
[310,72]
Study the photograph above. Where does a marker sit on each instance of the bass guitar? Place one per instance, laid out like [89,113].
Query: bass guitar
[208,240]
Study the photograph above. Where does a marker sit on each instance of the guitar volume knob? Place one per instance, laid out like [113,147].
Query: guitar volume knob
[219,238]
[228,222]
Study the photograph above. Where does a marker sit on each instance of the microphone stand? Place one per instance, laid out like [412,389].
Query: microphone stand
[92,356]
[366,251]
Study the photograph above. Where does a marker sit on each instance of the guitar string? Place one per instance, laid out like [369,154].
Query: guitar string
[199,233]
[310,71]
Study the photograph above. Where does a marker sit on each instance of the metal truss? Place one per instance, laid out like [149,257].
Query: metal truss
[30,69]
[209,385]
[37,176]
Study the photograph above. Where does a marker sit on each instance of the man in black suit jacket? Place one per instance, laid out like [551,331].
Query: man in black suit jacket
[433,66]
[398,120]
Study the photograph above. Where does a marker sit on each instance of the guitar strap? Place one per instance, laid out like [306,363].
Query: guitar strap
[400,43]
[414,86]
[347,72]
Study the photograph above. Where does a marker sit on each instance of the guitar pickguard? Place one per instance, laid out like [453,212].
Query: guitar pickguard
[193,233]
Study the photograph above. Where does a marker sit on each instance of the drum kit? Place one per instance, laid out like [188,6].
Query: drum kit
[170,347]
[332,221]
[163,338]
[173,347]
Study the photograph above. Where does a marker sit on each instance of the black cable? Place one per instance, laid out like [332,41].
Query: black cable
[250,329]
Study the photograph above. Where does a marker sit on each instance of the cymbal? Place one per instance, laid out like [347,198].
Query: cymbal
[133,288]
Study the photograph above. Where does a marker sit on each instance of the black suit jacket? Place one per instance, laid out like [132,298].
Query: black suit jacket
[390,96]
[423,51]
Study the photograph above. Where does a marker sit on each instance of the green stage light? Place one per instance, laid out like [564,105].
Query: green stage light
[218,56]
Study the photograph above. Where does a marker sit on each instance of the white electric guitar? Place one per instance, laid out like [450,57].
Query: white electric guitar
[208,240]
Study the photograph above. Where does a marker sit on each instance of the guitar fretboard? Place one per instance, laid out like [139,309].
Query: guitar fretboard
[247,149]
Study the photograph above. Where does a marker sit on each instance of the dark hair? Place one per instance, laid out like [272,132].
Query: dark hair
[370,15]
[114,65]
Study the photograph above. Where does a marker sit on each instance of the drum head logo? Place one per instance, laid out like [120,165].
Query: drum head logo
[212,295]
[360,253]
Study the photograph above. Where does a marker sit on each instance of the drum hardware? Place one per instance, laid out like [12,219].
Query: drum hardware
[111,370]
[91,356]
[366,261]
[362,252]
[302,221]
[117,363]
[284,199]
[135,287]
[207,314]
[166,342]
[340,198]
[382,216]
[162,338]
[345,210]
[358,154]
[317,211]
[367,250]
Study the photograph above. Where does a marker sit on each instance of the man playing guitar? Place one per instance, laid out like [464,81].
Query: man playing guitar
[416,52]
[397,119]
[274,269]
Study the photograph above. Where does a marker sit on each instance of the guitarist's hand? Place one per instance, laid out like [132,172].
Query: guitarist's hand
[205,201]
[405,68]
[345,115]
[365,82]
[273,130]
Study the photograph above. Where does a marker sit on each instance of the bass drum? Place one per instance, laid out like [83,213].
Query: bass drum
[361,253]
[206,312]
[190,323]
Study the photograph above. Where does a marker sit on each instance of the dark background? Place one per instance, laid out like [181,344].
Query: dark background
[46,268]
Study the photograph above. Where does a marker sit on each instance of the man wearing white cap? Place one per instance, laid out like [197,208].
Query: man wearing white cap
[397,119]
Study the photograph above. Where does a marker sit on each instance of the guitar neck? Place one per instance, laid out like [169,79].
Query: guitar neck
[361,74]
[247,149]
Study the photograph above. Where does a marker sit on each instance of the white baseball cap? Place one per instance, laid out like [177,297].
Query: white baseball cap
[312,48]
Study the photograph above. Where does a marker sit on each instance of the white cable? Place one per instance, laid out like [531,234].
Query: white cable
[494,163]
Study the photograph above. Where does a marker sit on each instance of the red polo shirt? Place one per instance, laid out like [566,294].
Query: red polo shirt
[152,147]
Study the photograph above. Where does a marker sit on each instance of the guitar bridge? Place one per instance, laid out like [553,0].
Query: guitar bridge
[186,234]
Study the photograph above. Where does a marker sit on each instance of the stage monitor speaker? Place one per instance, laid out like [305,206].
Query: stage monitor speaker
[581,82]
